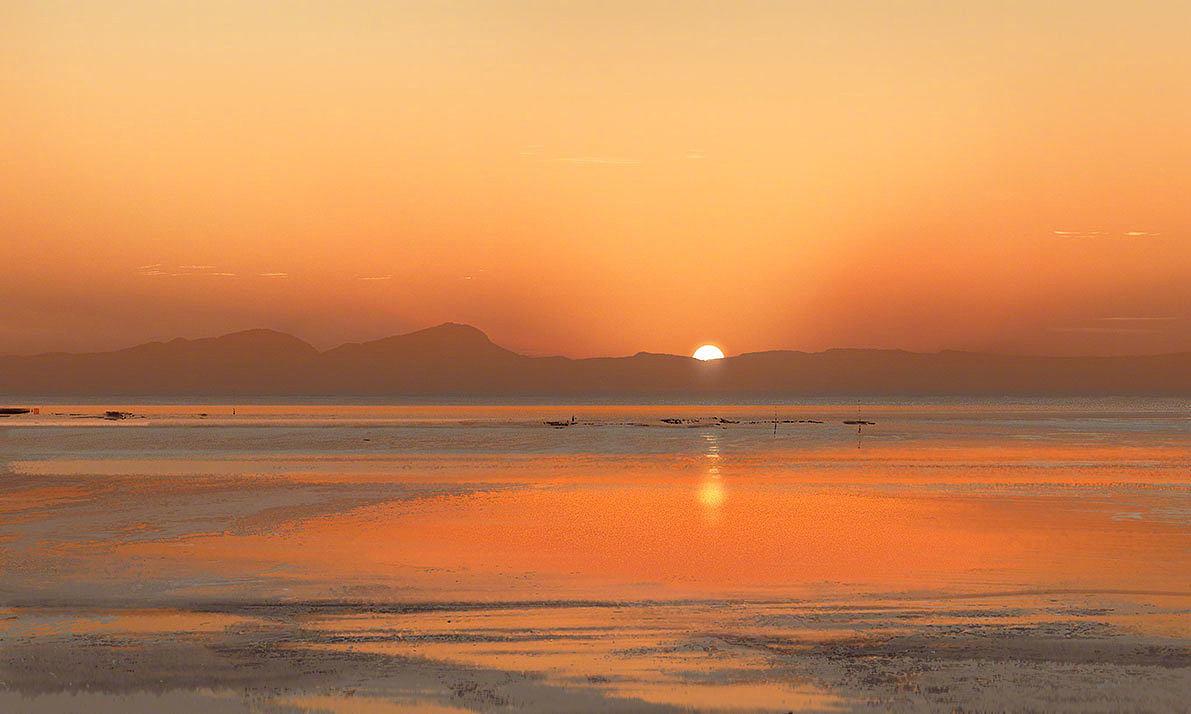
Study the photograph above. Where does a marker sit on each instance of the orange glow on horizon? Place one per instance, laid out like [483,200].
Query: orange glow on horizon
[988,176]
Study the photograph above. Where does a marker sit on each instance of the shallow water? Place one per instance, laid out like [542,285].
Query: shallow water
[706,557]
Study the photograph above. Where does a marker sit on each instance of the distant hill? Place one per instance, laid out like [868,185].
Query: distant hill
[453,360]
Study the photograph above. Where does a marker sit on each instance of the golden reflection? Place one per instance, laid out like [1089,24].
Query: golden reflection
[711,491]
[669,525]
[711,445]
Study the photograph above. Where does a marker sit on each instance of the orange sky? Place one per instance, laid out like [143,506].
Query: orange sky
[599,177]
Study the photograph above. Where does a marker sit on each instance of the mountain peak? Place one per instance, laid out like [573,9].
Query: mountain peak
[258,338]
[452,334]
[450,339]
[454,328]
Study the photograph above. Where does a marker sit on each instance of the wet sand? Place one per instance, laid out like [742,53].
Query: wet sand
[291,559]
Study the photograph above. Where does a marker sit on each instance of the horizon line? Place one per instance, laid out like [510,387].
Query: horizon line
[453,324]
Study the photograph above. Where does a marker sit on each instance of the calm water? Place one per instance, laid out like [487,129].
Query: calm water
[642,523]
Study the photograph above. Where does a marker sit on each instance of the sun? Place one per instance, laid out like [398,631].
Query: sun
[708,352]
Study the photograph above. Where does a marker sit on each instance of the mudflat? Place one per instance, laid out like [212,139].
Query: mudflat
[354,558]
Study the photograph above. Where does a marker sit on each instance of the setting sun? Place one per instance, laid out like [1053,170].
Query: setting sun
[708,352]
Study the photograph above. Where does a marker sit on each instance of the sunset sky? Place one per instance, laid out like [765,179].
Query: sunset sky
[602,177]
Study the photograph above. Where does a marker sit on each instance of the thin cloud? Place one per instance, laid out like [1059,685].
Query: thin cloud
[1104,330]
[1079,234]
[1145,318]
[181,271]
[601,161]
[157,272]
[151,270]
[1101,234]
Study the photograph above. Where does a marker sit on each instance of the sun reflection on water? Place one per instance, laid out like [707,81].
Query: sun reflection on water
[711,490]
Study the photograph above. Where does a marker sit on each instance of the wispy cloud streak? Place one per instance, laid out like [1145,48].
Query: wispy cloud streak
[1104,330]
[1105,234]
[1144,318]
[154,270]
[600,161]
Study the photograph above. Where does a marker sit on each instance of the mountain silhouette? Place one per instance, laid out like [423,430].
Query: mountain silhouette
[453,360]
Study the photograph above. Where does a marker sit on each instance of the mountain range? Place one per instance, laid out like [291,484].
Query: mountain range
[459,361]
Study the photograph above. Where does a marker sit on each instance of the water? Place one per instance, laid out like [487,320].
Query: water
[690,556]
